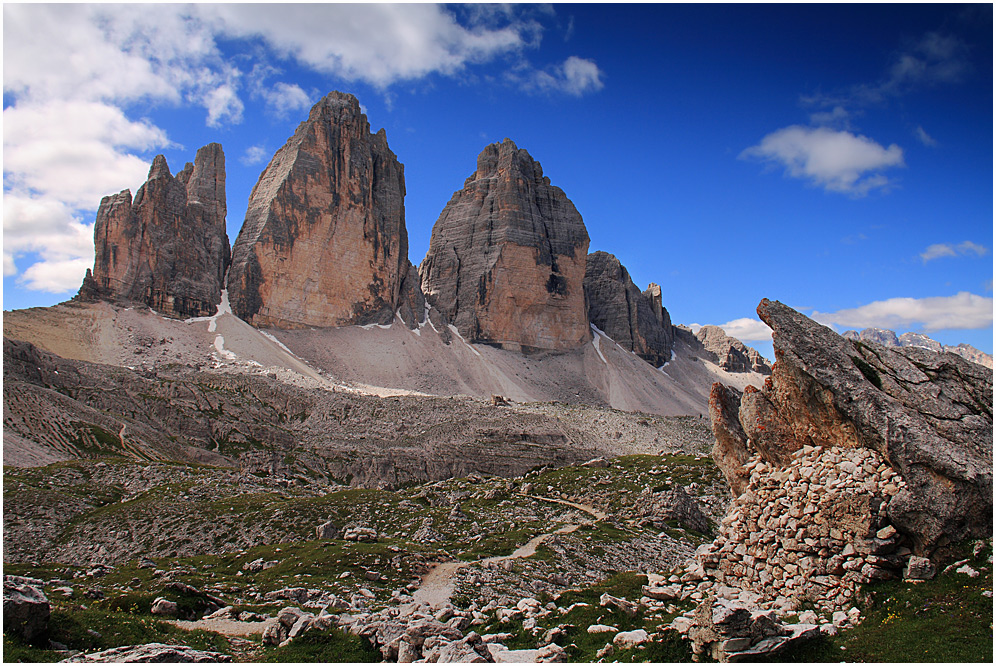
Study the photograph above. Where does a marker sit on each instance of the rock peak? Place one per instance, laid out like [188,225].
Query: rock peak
[636,321]
[159,168]
[324,240]
[168,247]
[507,256]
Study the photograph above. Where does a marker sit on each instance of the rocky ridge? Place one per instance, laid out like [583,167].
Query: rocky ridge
[731,354]
[506,260]
[888,338]
[324,241]
[635,320]
[167,248]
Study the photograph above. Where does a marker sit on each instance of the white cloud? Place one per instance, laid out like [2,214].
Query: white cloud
[575,76]
[837,117]
[56,276]
[377,43]
[746,329]
[282,98]
[968,247]
[838,161]
[47,227]
[923,137]
[961,311]
[75,151]
[938,250]
[254,155]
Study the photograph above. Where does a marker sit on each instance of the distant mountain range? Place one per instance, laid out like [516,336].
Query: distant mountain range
[889,338]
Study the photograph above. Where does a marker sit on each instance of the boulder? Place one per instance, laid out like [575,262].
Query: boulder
[919,568]
[929,415]
[630,639]
[324,241]
[167,248]
[25,608]
[154,653]
[162,606]
[635,321]
[674,504]
[506,260]
[728,630]
[327,530]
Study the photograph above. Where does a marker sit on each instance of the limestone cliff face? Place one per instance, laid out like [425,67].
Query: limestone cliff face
[168,247]
[324,240]
[635,320]
[506,260]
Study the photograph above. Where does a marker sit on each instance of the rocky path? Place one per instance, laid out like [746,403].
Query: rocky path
[223,625]
[438,584]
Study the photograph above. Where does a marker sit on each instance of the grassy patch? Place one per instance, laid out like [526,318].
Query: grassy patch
[946,619]
[331,646]
[94,629]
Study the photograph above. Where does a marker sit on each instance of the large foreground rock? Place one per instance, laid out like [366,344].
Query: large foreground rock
[635,320]
[324,240]
[168,247]
[928,415]
[506,260]
[25,608]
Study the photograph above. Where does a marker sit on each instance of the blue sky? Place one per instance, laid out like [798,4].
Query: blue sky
[835,157]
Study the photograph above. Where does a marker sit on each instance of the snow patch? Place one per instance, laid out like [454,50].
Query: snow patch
[272,338]
[594,343]
[367,327]
[219,345]
[457,333]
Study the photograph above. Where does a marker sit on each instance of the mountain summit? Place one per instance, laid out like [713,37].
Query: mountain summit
[507,255]
[168,247]
[324,241]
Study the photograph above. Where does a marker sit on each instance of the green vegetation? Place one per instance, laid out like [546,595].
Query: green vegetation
[331,646]
[870,373]
[93,629]
[942,620]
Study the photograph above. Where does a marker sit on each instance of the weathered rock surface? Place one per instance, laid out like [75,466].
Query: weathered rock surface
[506,260]
[25,608]
[635,320]
[731,354]
[168,247]
[150,653]
[730,448]
[888,339]
[928,415]
[324,240]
